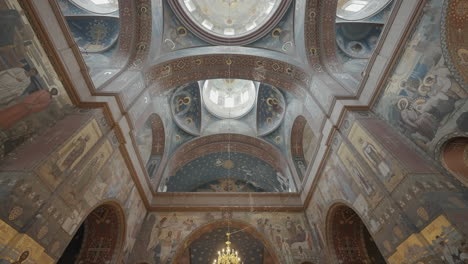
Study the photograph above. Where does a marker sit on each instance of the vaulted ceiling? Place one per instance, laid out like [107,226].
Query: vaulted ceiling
[216,94]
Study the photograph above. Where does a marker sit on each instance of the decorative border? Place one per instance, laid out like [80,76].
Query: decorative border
[445,47]
[168,75]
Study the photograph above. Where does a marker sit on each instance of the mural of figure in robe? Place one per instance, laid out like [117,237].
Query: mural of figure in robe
[32,98]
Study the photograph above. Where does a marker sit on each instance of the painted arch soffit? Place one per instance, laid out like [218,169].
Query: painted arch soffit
[237,143]
[173,73]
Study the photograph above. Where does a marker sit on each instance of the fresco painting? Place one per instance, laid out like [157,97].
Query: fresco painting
[287,233]
[31,95]
[439,240]
[271,108]
[356,170]
[422,98]
[228,185]
[20,248]
[81,180]
[67,157]
[378,159]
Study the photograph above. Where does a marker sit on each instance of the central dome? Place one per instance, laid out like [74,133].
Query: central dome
[229,98]
[226,22]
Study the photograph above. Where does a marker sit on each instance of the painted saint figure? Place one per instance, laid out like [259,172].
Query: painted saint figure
[13,82]
[372,155]
[423,123]
[78,148]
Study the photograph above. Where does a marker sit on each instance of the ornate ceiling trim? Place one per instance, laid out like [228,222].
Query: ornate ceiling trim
[238,41]
[221,143]
[180,71]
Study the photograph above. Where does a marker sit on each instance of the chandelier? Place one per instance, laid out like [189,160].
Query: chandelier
[228,255]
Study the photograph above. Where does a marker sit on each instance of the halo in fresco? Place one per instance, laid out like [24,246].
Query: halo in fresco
[360,9]
[230,21]
[98,6]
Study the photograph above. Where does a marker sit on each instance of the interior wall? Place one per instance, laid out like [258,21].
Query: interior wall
[163,234]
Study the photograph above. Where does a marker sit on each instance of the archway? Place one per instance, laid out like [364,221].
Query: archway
[151,140]
[252,246]
[348,238]
[99,239]
[303,143]
[455,158]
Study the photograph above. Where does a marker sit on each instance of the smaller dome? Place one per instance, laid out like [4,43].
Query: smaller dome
[98,6]
[229,98]
[359,9]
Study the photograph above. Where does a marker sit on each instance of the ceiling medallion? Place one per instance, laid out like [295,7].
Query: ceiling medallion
[230,22]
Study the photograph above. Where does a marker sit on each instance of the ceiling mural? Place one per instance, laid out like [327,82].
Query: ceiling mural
[271,107]
[175,35]
[228,185]
[422,98]
[357,35]
[281,37]
[94,34]
[32,98]
[230,22]
[186,108]
[227,165]
[95,27]
[205,248]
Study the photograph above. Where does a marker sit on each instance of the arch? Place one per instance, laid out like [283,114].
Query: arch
[455,157]
[99,239]
[303,145]
[151,142]
[124,50]
[348,238]
[223,223]
[237,143]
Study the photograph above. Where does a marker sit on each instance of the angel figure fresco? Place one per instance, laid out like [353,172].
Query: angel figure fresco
[421,122]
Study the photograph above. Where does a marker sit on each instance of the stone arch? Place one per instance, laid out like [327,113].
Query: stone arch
[151,141]
[224,223]
[303,141]
[455,157]
[99,239]
[348,238]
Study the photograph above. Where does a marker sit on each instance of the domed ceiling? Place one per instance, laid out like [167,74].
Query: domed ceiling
[229,98]
[230,22]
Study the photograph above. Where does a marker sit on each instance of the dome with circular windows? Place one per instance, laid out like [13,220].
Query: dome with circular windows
[360,9]
[98,6]
[229,98]
[230,22]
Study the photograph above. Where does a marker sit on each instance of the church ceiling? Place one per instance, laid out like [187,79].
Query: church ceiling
[251,171]
[230,22]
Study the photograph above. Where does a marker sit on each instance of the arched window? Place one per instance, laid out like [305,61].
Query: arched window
[99,239]
[350,241]
[303,145]
[455,158]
